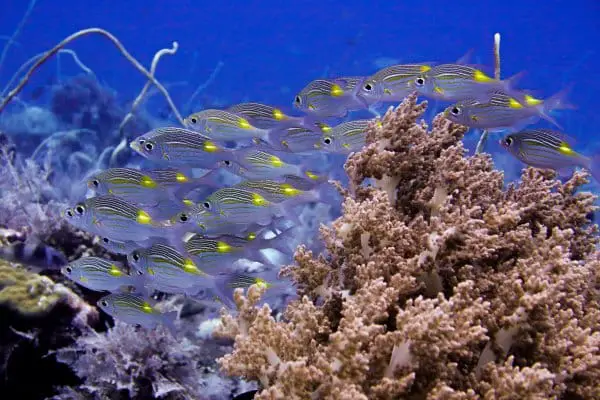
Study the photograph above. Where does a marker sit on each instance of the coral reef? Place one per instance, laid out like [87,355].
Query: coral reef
[143,364]
[38,316]
[438,282]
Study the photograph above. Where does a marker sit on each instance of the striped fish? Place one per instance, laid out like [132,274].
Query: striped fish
[252,163]
[100,274]
[112,217]
[330,97]
[239,206]
[456,82]
[547,149]
[179,147]
[136,310]
[345,138]
[391,83]
[264,116]
[503,111]
[222,125]
[297,139]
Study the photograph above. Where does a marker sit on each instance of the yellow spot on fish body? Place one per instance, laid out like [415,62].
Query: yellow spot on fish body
[276,162]
[261,283]
[346,145]
[147,308]
[210,147]
[258,200]
[187,202]
[324,127]
[565,149]
[425,68]
[143,218]
[336,91]
[83,279]
[312,176]
[244,124]
[438,89]
[278,115]
[513,103]
[190,267]
[223,247]
[115,271]
[251,236]
[311,107]
[387,91]
[150,271]
[181,178]
[289,190]
[147,182]
[479,76]
[532,101]
[475,118]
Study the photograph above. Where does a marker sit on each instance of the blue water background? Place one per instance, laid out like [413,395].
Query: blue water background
[271,49]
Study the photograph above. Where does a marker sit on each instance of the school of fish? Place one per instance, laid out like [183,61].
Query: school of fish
[183,232]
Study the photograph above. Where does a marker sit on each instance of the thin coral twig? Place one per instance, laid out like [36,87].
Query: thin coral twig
[204,85]
[484,135]
[75,36]
[140,96]
[11,40]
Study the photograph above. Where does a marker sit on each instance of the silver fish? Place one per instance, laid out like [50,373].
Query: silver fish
[179,147]
[112,217]
[391,83]
[136,310]
[100,274]
[544,148]
[331,97]
[456,82]
[503,111]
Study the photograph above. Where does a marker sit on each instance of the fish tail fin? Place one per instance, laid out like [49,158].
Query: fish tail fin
[283,242]
[511,81]
[169,322]
[593,166]
[557,101]
[466,58]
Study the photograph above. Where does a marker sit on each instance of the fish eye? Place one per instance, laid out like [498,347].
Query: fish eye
[327,140]
[368,87]
[79,209]
[140,272]
[183,217]
[194,120]
[149,146]
[69,213]
[456,110]
[227,162]
[508,141]
[69,270]
[420,81]
[135,256]
[104,303]
[105,240]
[206,205]
[95,183]
[298,100]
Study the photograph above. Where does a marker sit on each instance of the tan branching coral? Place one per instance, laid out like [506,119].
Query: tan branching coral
[438,283]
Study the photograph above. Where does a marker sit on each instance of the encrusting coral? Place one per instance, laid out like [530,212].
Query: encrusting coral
[438,282]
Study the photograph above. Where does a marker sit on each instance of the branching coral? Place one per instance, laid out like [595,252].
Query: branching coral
[438,282]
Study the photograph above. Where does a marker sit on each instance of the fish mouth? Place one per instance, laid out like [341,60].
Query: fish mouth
[135,146]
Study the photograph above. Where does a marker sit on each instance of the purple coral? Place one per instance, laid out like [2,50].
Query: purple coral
[439,283]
